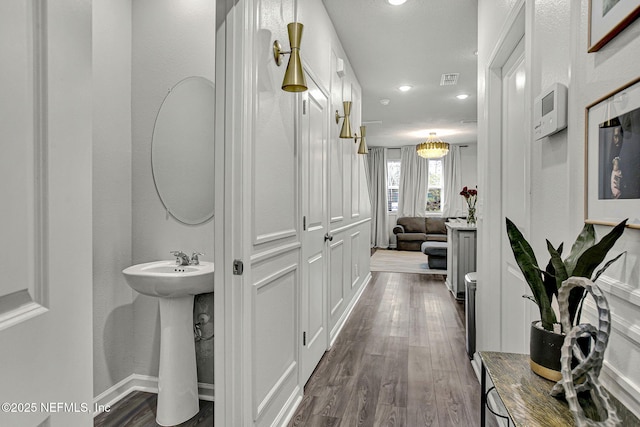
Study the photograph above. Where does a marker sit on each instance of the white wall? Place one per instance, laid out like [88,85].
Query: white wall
[556,51]
[172,40]
[112,297]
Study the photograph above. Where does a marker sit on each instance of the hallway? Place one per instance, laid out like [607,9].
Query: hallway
[399,361]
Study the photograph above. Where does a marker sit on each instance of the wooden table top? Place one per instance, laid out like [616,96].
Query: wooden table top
[526,395]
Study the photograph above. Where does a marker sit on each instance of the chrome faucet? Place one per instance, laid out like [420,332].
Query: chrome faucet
[194,258]
[181,257]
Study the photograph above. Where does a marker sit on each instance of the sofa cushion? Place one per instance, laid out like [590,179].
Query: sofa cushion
[412,237]
[435,226]
[436,237]
[412,224]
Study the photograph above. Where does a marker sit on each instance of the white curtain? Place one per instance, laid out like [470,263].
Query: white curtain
[452,202]
[414,180]
[378,192]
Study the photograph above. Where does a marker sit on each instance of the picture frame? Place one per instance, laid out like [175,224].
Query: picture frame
[612,157]
[607,18]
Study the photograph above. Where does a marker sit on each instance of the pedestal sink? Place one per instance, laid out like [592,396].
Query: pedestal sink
[175,286]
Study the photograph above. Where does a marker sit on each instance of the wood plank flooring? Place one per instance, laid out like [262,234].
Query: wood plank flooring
[138,409]
[399,361]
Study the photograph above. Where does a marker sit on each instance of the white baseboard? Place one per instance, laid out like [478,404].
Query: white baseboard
[135,382]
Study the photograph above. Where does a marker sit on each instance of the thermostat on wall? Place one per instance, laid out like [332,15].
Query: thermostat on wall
[550,111]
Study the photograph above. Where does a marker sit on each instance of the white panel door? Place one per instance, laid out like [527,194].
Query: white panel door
[313,149]
[515,200]
[45,214]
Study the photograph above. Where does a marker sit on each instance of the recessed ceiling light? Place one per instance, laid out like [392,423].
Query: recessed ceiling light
[424,133]
[385,101]
[396,2]
[462,96]
[405,88]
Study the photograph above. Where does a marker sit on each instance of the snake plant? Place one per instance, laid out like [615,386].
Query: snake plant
[585,256]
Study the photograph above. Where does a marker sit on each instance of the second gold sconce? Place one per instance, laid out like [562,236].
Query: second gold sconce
[345,131]
[362,149]
[294,80]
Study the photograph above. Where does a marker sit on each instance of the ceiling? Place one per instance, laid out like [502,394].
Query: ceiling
[412,44]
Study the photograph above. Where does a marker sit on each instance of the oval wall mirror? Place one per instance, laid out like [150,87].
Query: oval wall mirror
[182,150]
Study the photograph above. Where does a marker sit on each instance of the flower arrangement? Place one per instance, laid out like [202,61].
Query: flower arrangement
[471,196]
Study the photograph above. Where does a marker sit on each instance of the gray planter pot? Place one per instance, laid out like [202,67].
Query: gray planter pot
[545,348]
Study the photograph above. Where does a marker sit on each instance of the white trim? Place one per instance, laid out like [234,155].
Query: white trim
[349,226]
[268,399]
[620,289]
[270,237]
[618,323]
[345,316]
[136,382]
[293,407]
[272,253]
[21,314]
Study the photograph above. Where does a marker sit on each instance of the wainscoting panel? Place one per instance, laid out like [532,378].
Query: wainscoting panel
[274,160]
[275,356]
[620,373]
[355,258]
[23,163]
[336,278]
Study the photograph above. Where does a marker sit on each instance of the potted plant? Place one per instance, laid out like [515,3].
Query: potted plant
[586,255]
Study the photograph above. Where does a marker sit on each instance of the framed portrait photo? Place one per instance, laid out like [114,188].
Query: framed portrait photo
[607,18]
[612,164]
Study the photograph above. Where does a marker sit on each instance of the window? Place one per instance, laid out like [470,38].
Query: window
[434,186]
[393,184]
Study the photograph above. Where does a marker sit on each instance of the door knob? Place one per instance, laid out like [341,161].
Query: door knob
[328,237]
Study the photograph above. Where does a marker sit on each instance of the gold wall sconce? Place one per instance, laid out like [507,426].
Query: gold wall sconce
[362,149]
[345,131]
[432,148]
[294,80]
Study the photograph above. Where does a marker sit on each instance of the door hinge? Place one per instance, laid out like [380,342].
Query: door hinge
[304,106]
[238,267]
[304,223]
[304,338]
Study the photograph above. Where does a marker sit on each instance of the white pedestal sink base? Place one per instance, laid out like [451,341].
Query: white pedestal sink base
[178,379]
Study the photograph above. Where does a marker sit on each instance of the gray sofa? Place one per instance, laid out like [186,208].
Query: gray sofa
[412,231]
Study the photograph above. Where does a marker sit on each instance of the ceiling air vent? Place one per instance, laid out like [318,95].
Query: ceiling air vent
[449,79]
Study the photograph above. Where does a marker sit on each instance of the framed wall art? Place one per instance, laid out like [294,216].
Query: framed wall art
[607,18]
[612,163]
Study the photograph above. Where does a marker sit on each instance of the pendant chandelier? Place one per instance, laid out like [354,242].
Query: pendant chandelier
[432,148]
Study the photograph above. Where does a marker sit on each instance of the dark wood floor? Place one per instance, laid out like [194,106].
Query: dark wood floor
[399,361]
[138,409]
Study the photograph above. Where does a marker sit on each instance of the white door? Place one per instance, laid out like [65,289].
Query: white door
[313,150]
[515,200]
[45,215]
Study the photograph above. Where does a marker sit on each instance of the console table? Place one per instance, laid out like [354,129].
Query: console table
[461,255]
[526,396]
